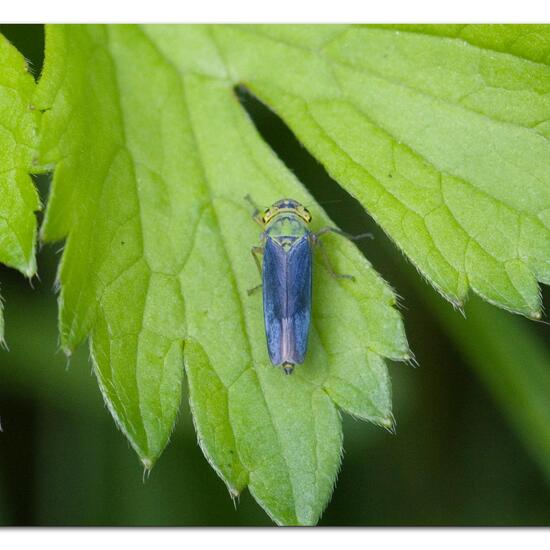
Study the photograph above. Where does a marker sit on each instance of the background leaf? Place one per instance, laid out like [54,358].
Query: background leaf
[514,365]
[19,199]
[152,154]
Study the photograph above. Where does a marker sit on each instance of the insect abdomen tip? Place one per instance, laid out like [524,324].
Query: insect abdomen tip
[288,368]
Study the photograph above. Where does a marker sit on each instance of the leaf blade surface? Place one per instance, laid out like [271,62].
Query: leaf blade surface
[153,193]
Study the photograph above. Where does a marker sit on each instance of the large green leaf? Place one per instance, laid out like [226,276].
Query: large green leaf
[445,142]
[18,197]
[440,132]
[153,155]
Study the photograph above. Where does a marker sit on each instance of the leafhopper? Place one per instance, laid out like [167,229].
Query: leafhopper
[284,259]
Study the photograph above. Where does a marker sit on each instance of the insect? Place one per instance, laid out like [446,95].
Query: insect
[286,270]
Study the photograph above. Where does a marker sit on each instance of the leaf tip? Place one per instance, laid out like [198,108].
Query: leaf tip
[459,306]
[148,464]
[409,358]
[389,423]
[29,270]
[234,494]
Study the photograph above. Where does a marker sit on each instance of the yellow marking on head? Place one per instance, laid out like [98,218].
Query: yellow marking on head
[285,206]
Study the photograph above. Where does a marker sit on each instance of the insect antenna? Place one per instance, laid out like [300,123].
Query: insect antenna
[332,201]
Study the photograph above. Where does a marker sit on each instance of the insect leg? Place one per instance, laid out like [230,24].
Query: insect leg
[251,291]
[256,212]
[325,230]
[256,250]
[329,265]
[316,240]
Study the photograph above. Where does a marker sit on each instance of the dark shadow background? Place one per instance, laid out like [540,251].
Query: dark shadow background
[455,459]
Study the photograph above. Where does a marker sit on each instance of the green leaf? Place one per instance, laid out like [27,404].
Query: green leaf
[153,155]
[440,132]
[18,197]
[443,140]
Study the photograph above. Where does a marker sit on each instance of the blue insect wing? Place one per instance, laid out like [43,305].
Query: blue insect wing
[299,297]
[274,297]
[287,300]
